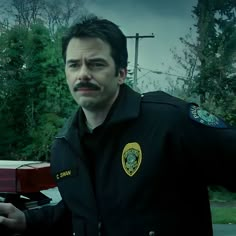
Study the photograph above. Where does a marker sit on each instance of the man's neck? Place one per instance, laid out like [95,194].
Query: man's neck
[96,118]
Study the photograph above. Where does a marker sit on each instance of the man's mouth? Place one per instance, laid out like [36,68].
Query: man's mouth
[85,87]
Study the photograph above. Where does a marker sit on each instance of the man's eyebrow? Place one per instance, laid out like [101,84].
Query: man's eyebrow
[72,61]
[96,60]
[88,60]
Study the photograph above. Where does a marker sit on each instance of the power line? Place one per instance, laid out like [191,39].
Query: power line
[158,72]
[145,74]
[163,73]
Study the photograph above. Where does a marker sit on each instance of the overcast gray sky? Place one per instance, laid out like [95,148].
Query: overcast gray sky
[166,19]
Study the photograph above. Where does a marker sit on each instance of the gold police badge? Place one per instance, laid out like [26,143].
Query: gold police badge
[131,158]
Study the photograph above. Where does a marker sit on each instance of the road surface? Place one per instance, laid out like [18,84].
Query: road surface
[224,230]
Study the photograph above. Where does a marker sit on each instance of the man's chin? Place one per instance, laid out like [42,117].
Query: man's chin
[87,103]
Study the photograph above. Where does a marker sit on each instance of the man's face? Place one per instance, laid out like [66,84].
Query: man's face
[90,72]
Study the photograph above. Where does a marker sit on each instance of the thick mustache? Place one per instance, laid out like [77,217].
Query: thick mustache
[85,85]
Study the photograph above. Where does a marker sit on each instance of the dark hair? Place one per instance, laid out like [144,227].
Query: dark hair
[92,26]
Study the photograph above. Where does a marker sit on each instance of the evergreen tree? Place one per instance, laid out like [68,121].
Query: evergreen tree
[13,97]
[214,49]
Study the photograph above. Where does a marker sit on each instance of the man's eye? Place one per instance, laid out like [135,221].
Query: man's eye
[73,65]
[97,64]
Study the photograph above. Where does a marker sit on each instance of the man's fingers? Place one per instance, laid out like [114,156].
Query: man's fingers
[12,217]
[9,223]
[3,220]
[6,208]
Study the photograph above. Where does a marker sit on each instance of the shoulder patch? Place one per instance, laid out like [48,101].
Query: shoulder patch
[204,117]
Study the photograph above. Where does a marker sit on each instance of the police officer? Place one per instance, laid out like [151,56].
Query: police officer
[127,163]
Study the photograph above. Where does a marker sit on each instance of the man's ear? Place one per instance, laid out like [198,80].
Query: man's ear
[122,75]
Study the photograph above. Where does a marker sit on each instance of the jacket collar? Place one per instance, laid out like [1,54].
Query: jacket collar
[126,107]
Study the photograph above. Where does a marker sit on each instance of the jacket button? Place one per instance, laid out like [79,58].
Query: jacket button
[99,228]
[99,225]
[151,233]
[74,234]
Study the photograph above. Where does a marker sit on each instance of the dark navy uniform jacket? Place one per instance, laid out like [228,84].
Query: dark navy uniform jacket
[144,171]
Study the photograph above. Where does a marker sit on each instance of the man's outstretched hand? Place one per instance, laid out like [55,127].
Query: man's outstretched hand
[12,218]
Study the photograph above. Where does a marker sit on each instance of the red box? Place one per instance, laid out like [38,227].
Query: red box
[25,176]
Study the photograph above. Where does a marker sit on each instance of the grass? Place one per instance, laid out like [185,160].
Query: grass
[222,212]
[223,215]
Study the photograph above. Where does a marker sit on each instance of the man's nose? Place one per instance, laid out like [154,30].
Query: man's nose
[84,73]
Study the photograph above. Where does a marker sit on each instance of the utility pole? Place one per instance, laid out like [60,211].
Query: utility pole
[137,37]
